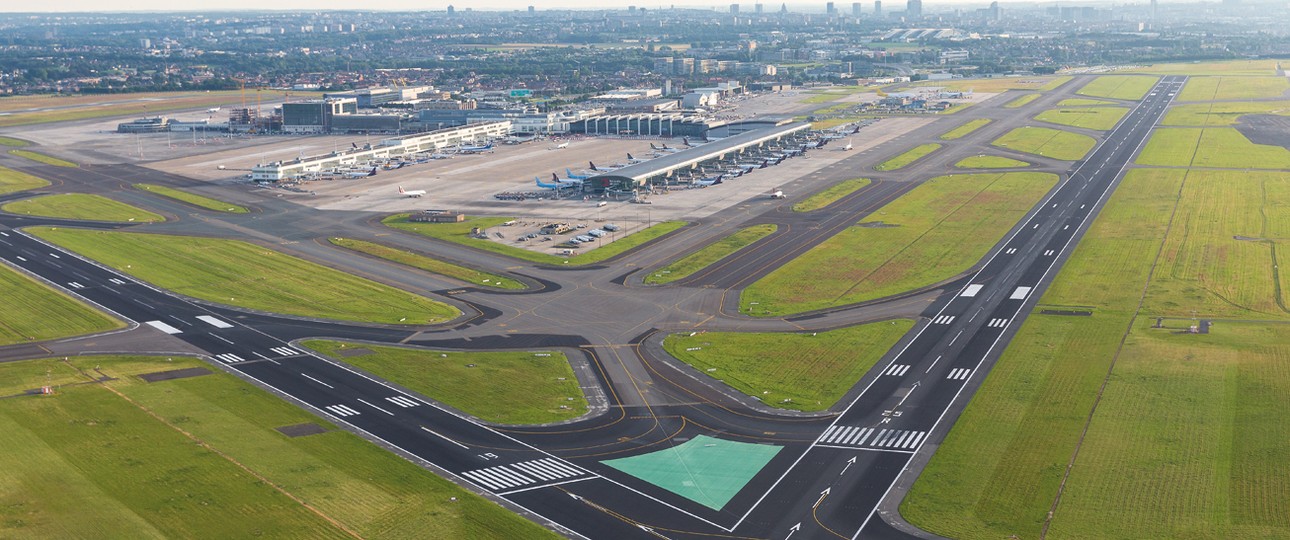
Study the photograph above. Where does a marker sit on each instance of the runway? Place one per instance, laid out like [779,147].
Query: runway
[833,472]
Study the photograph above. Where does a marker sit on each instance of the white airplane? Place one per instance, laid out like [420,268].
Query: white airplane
[476,149]
[664,148]
[709,181]
[415,193]
[361,174]
[633,160]
[777,194]
[566,181]
[602,169]
[213,109]
[848,146]
[561,146]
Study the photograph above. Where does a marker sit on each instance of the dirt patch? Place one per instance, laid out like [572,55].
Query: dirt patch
[1267,129]
[1249,238]
[301,430]
[174,374]
[346,353]
[876,225]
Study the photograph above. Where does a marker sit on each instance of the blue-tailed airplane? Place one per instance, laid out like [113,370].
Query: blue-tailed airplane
[568,172]
[476,149]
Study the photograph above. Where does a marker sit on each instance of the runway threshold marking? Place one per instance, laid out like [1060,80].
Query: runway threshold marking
[897,370]
[164,327]
[871,438]
[545,471]
[998,323]
[943,319]
[341,410]
[1020,293]
[959,374]
[230,358]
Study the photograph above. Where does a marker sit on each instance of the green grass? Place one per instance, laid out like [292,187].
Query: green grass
[1081,102]
[1225,88]
[831,194]
[10,141]
[1221,114]
[81,206]
[42,158]
[903,160]
[990,162]
[1047,142]
[819,98]
[460,233]
[709,254]
[965,129]
[45,108]
[1211,147]
[193,199]
[199,457]
[246,275]
[503,387]
[1265,67]
[933,233]
[1021,101]
[798,371]
[1128,87]
[1099,118]
[434,266]
[12,181]
[1188,440]
[35,312]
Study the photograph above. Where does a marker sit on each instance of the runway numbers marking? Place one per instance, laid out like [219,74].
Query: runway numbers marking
[285,351]
[943,319]
[998,323]
[75,285]
[959,374]
[213,321]
[1020,293]
[403,401]
[163,327]
[341,410]
[230,358]
[874,438]
[523,474]
[116,281]
[897,370]
[971,290]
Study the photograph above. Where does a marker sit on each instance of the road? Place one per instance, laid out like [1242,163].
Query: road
[835,470]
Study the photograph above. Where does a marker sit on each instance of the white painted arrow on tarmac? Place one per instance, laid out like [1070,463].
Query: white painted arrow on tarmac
[823,494]
[792,530]
[850,462]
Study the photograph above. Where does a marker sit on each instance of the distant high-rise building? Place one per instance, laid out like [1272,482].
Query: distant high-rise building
[830,10]
[451,10]
[914,9]
[734,9]
[1153,9]
[783,8]
[877,9]
[993,11]
[757,8]
[145,43]
[532,10]
[855,9]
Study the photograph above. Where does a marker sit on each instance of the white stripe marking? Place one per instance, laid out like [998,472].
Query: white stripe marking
[163,327]
[1020,293]
[213,321]
[317,381]
[971,290]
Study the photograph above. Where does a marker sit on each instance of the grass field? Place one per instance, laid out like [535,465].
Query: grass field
[81,107]
[802,372]
[965,129]
[1021,101]
[81,206]
[193,199]
[1099,118]
[246,275]
[909,156]
[1221,114]
[1081,102]
[1187,439]
[1225,88]
[1130,87]
[1210,147]
[709,254]
[199,457]
[934,232]
[460,233]
[831,194]
[990,162]
[34,312]
[42,158]
[1265,67]
[10,141]
[12,181]
[429,264]
[1052,143]
[503,387]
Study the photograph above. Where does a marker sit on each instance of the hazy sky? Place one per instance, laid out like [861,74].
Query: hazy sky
[396,5]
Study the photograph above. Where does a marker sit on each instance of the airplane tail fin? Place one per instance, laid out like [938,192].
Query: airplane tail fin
[629,156]
[401,190]
[555,178]
[593,165]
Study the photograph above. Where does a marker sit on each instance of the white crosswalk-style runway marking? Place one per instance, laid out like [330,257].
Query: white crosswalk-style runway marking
[525,473]
[341,410]
[872,438]
[897,370]
[959,374]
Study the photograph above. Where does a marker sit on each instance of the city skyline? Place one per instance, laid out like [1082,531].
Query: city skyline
[75,6]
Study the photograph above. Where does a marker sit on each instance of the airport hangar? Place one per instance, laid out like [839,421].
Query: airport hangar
[751,135]
[431,141]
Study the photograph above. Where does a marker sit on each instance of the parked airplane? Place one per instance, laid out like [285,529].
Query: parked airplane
[416,193]
[476,149]
[561,146]
[572,176]
[848,146]
[777,194]
[361,174]
[602,169]
[709,181]
[632,160]
[664,148]
[566,181]
[556,186]
[213,109]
